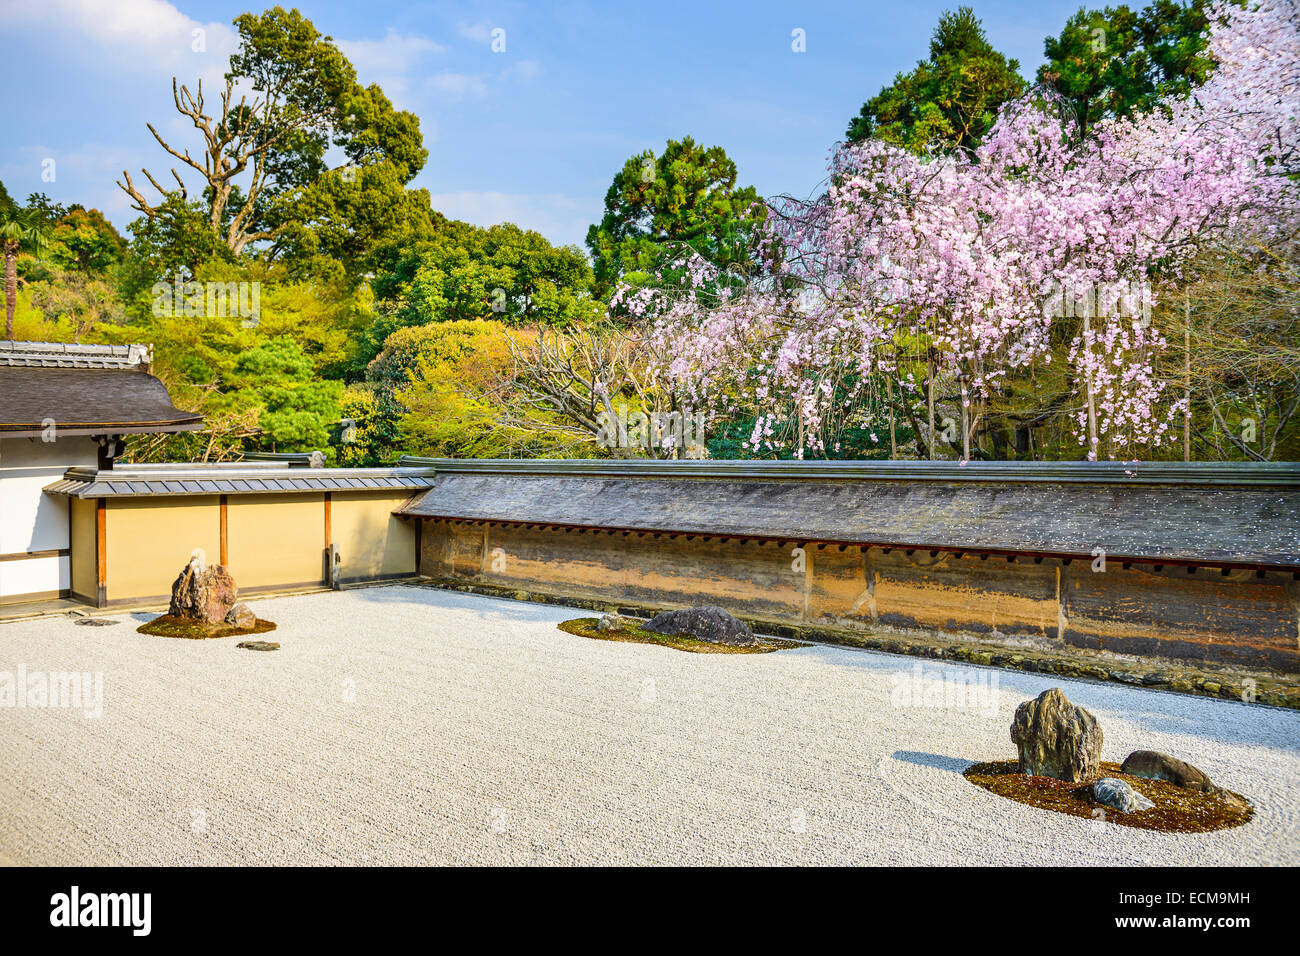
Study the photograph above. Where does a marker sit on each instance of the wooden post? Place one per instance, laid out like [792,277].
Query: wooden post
[101,555]
[329,540]
[225,533]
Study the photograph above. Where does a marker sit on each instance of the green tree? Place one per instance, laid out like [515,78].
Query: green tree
[297,409]
[658,205]
[1117,62]
[949,101]
[83,240]
[266,182]
[171,244]
[21,230]
[463,273]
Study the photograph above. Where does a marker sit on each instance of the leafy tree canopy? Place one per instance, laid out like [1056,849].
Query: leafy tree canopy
[685,197]
[297,409]
[290,96]
[1117,62]
[463,273]
[949,101]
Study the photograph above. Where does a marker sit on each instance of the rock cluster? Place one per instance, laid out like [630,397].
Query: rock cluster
[203,594]
[1056,738]
[208,596]
[711,624]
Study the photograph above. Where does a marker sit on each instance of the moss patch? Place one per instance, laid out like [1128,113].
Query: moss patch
[170,626]
[1176,810]
[587,627]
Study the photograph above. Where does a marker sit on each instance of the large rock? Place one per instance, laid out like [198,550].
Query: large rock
[203,594]
[711,624]
[1115,793]
[1056,738]
[1154,765]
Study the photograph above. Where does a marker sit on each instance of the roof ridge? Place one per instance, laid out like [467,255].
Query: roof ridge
[74,355]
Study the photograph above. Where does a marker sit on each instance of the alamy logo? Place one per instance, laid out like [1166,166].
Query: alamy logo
[213,299]
[1098,299]
[103,909]
[53,689]
[940,689]
[668,431]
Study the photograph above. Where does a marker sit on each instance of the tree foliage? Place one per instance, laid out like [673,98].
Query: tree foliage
[687,197]
[1118,62]
[947,102]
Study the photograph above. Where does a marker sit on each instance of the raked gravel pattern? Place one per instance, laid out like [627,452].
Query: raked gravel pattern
[411,725]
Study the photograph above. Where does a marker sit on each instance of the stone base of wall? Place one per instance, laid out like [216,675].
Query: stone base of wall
[1199,617]
[1224,682]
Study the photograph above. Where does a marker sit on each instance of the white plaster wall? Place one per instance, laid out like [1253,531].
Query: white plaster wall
[31,520]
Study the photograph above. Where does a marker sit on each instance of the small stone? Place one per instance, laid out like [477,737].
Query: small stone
[95,621]
[241,616]
[711,624]
[1115,793]
[613,622]
[1155,765]
[1056,738]
[259,645]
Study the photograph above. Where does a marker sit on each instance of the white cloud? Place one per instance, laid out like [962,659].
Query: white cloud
[147,36]
[561,219]
[389,61]
[396,52]
[457,85]
[478,32]
[528,69]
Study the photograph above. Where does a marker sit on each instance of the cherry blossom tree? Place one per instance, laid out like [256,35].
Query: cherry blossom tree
[1038,246]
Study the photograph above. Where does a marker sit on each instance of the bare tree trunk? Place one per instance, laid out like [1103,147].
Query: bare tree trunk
[893,445]
[929,387]
[1187,383]
[11,286]
[1092,408]
[965,422]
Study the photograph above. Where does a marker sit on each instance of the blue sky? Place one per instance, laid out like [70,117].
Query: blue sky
[531,135]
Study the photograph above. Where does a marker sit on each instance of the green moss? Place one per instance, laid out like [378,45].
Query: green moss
[1176,810]
[169,626]
[588,627]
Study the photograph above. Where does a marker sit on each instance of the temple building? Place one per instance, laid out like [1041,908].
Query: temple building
[63,406]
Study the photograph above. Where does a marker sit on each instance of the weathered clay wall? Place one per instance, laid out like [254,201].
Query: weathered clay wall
[1242,617]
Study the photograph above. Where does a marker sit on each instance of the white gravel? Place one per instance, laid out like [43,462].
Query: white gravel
[477,732]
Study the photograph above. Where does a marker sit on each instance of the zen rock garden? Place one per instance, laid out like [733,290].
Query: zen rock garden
[700,630]
[205,603]
[1059,767]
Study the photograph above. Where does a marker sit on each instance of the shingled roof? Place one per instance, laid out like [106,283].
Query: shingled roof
[84,390]
[1172,514]
[157,480]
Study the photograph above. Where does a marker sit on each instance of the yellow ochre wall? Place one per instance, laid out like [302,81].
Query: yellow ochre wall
[273,541]
[371,541]
[148,541]
[276,540]
[81,543]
